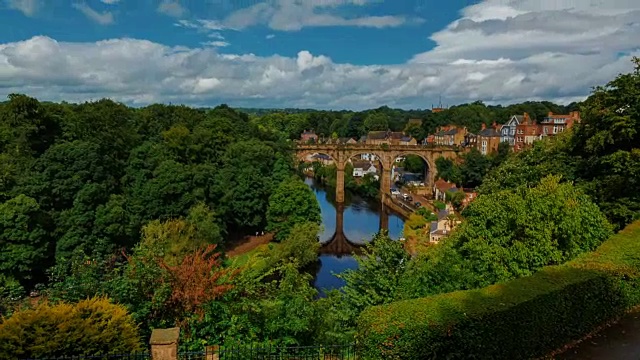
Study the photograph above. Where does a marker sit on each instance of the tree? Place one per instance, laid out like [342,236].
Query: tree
[291,203]
[376,280]
[448,170]
[474,168]
[414,164]
[24,244]
[376,121]
[90,327]
[199,278]
[607,139]
[509,234]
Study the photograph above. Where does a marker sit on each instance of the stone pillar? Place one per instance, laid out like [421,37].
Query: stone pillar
[385,182]
[431,177]
[340,185]
[384,216]
[164,344]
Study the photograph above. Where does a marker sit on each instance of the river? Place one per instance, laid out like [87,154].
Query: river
[361,221]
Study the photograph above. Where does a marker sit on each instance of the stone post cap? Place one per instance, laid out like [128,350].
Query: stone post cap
[164,336]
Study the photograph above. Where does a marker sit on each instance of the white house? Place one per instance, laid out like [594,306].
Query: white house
[369,157]
[362,168]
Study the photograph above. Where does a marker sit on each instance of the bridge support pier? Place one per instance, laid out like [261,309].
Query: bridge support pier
[384,216]
[385,181]
[340,184]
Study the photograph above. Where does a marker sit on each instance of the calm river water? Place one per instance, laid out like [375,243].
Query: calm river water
[361,221]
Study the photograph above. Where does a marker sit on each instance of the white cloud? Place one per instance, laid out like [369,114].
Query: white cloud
[110,2]
[217,43]
[293,15]
[27,7]
[269,36]
[172,8]
[519,53]
[102,18]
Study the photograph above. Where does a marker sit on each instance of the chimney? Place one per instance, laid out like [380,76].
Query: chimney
[526,119]
[494,125]
[550,113]
[484,126]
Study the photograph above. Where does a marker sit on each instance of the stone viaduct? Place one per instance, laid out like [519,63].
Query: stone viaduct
[387,154]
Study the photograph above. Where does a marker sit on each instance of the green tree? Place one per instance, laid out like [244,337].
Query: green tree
[376,280]
[376,121]
[414,164]
[24,243]
[509,234]
[607,139]
[474,168]
[291,203]
[448,170]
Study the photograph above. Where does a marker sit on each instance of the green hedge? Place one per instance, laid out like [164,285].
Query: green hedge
[520,319]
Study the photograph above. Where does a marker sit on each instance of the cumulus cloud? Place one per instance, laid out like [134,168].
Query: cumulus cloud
[110,2]
[102,18]
[172,8]
[293,15]
[27,7]
[269,36]
[494,52]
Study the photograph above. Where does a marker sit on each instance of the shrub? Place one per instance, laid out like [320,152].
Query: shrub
[439,205]
[89,327]
[522,318]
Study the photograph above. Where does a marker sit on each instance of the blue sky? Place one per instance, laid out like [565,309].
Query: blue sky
[329,54]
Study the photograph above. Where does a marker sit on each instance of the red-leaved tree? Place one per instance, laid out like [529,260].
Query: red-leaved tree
[198,279]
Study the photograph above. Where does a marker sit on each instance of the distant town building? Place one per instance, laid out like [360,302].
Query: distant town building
[508,130]
[450,135]
[309,135]
[389,137]
[555,123]
[488,139]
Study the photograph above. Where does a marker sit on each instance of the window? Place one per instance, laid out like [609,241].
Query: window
[555,129]
[546,130]
[484,147]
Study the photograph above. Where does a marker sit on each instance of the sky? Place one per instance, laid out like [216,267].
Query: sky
[323,54]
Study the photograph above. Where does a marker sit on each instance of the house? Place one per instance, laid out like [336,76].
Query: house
[395,137]
[309,136]
[389,137]
[488,139]
[468,198]
[508,130]
[324,159]
[377,138]
[450,135]
[408,140]
[440,189]
[430,140]
[526,134]
[346,141]
[555,123]
[362,168]
[470,140]
[443,226]
[369,157]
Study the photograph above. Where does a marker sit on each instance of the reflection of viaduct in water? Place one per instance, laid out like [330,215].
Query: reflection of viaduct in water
[339,244]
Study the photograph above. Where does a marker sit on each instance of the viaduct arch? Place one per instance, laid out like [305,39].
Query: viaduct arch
[341,153]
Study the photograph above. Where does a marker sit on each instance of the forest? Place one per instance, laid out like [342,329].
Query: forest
[128,211]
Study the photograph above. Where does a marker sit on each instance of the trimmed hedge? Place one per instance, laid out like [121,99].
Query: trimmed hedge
[520,319]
